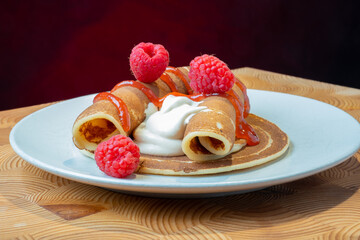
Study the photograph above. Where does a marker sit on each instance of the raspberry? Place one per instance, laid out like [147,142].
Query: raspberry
[208,74]
[118,156]
[148,61]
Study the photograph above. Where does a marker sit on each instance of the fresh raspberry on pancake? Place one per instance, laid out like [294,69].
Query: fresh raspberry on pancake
[117,157]
[208,74]
[148,61]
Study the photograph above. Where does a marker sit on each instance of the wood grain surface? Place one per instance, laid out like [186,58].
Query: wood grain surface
[37,205]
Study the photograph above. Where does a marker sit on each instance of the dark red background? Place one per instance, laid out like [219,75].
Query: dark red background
[54,50]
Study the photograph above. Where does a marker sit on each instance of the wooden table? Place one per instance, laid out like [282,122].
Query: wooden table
[35,204]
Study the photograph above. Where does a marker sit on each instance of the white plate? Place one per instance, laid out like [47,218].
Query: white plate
[321,136]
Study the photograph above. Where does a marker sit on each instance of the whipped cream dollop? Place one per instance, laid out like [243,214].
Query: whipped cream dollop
[162,131]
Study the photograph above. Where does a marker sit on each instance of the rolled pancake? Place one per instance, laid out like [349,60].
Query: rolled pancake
[274,143]
[101,120]
[210,134]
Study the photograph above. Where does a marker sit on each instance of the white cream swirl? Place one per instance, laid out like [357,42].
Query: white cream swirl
[162,131]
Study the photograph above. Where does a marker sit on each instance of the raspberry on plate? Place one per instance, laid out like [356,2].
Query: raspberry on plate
[117,157]
[208,74]
[148,61]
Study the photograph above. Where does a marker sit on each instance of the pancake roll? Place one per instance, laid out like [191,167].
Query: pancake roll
[101,120]
[211,134]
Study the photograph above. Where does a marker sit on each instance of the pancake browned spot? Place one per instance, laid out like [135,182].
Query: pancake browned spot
[196,147]
[96,134]
[216,143]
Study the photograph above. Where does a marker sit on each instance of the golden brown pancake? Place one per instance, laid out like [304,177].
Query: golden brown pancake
[214,129]
[209,141]
[101,120]
[210,134]
[273,143]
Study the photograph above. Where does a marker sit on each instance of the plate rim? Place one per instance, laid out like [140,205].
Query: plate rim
[196,188]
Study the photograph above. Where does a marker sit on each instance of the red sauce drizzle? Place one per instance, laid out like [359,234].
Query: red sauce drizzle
[243,129]
[119,104]
[167,79]
[246,98]
[197,97]
[147,91]
[180,75]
